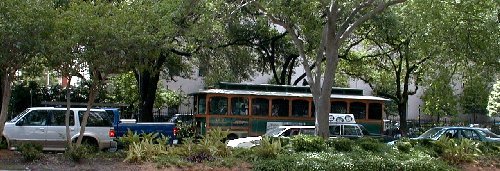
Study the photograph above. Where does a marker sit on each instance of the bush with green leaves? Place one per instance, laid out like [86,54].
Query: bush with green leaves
[129,138]
[458,151]
[150,146]
[77,153]
[3,143]
[268,148]
[145,150]
[308,143]
[210,148]
[404,145]
[360,160]
[489,148]
[370,144]
[186,130]
[341,144]
[30,151]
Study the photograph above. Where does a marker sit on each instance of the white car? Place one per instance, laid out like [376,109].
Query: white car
[281,131]
[46,126]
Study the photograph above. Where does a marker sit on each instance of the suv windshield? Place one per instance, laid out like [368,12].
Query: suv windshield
[274,132]
[488,133]
[430,133]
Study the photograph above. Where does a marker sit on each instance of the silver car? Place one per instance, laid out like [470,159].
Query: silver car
[46,126]
[479,134]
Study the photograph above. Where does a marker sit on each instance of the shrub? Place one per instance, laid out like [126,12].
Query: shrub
[145,150]
[370,144]
[76,154]
[350,161]
[171,161]
[489,148]
[308,143]
[268,148]
[403,146]
[457,151]
[200,157]
[3,143]
[129,138]
[30,151]
[209,148]
[341,144]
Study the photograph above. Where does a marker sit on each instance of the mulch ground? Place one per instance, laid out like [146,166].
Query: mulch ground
[13,160]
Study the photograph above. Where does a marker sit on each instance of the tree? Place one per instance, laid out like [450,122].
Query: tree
[391,61]
[154,38]
[439,99]
[320,28]
[271,48]
[474,98]
[423,38]
[494,101]
[24,26]
[96,45]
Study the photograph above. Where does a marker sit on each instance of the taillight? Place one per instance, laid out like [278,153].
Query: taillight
[176,130]
[112,133]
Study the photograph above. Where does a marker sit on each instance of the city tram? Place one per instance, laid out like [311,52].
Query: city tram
[251,109]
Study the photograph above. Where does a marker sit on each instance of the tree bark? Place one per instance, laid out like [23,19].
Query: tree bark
[6,93]
[66,117]
[403,126]
[148,84]
[94,90]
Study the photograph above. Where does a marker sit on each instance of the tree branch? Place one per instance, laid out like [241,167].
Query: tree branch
[379,8]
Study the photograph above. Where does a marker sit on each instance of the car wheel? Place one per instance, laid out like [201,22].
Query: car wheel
[90,143]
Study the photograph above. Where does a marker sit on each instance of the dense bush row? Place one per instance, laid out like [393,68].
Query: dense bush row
[301,152]
[313,153]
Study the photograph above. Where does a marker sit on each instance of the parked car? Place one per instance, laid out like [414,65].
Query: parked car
[281,131]
[337,130]
[473,133]
[354,131]
[46,126]
[122,126]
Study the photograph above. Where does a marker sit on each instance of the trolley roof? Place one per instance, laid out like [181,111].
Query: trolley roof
[286,94]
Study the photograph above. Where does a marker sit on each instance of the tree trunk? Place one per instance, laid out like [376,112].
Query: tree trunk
[148,84]
[66,117]
[92,95]
[402,118]
[6,92]
[322,122]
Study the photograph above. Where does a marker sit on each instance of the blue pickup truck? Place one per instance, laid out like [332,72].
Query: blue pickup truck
[121,126]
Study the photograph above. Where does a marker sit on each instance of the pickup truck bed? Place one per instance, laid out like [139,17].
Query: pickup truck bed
[162,128]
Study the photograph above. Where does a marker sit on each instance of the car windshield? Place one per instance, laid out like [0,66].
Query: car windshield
[19,116]
[430,133]
[274,132]
[487,133]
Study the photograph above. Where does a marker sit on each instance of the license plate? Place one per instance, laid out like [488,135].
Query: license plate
[174,142]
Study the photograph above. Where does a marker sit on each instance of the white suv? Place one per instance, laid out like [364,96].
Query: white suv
[46,126]
[281,131]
